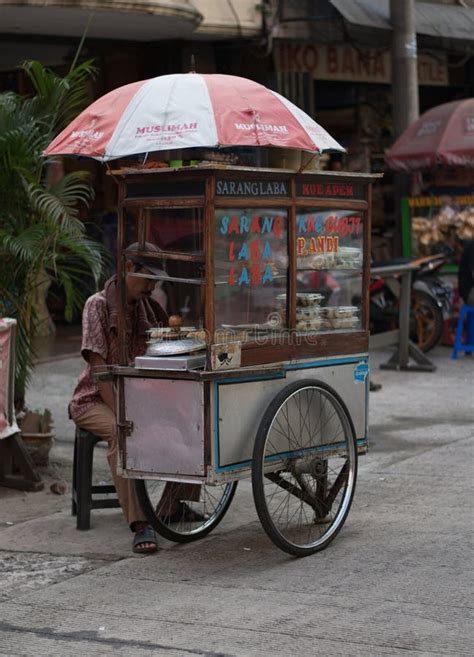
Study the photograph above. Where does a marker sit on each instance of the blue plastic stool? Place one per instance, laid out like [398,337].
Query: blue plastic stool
[459,345]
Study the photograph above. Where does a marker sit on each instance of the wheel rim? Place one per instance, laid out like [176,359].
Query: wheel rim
[425,323]
[164,497]
[308,466]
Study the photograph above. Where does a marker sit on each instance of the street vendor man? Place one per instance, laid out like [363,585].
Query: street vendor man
[93,403]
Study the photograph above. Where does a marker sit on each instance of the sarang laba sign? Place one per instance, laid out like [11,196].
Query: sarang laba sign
[252,188]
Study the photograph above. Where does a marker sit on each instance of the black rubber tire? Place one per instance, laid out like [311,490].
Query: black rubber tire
[425,310]
[196,533]
[258,483]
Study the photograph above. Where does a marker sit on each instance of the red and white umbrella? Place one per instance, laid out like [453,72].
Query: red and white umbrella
[186,111]
[442,135]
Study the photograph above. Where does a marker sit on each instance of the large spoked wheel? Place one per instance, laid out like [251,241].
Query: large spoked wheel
[192,519]
[304,467]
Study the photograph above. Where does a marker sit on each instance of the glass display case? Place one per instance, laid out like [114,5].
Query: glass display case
[255,257]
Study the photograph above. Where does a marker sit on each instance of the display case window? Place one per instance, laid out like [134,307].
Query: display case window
[178,262]
[329,269]
[251,270]
[177,230]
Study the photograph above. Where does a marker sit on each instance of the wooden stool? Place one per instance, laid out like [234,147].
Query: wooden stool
[82,488]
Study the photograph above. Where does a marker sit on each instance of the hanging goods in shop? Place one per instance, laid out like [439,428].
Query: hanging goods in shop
[186,111]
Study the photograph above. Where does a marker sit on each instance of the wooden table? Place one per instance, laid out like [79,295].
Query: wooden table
[406,349]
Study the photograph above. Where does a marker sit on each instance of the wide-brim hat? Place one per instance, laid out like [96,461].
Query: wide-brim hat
[154,266]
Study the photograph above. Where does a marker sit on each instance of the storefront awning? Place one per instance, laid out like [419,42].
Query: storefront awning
[435,20]
[147,20]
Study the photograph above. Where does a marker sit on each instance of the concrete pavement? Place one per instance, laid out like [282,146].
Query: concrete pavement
[396,581]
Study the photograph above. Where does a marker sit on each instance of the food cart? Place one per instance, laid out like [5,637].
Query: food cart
[265,273]
[265,373]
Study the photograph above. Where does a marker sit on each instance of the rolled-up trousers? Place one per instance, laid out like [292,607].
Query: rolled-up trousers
[101,421]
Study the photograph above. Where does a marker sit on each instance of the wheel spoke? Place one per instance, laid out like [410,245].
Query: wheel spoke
[293,490]
[171,513]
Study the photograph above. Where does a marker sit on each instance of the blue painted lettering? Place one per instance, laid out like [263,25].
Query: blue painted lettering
[267,224]
[244,252]
[267,251]
[302,225]
[244,224]
[244,277]
[267,274]
[224,225]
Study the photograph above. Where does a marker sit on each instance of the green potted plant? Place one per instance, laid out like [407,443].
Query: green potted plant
[42,238]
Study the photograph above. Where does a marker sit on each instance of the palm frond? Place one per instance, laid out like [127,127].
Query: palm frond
[60,98]
[40,227]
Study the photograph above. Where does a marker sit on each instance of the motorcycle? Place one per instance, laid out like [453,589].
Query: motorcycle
[431,302]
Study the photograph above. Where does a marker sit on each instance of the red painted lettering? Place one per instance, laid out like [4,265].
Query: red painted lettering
[347,61]
[301,246]
[379,66]
[292,57]
[356,222]
[309,58]
[278,227]
[363,63]
[255,251]
[331,56]
[255,225]
[255,275]
[234,225]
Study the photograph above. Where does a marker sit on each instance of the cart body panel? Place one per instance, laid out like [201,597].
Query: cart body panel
[238,409]
[167,430]
[169,437]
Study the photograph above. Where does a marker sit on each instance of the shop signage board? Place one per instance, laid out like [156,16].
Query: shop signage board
[332,189]
[345,63]
[252,188]
[165,189]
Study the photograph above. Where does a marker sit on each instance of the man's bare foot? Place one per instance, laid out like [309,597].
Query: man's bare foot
[144,541]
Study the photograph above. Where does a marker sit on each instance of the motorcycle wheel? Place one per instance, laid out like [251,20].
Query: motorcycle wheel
[426,327]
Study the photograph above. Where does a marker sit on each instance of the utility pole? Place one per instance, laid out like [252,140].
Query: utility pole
[405,99]
[404,65]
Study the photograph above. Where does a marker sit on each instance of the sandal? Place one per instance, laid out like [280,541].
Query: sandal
[184,513]
[143,536]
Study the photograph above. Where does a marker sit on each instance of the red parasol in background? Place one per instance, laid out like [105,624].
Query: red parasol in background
[442,135]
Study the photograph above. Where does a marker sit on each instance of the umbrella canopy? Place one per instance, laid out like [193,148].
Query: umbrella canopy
[443,135]
[186,111]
